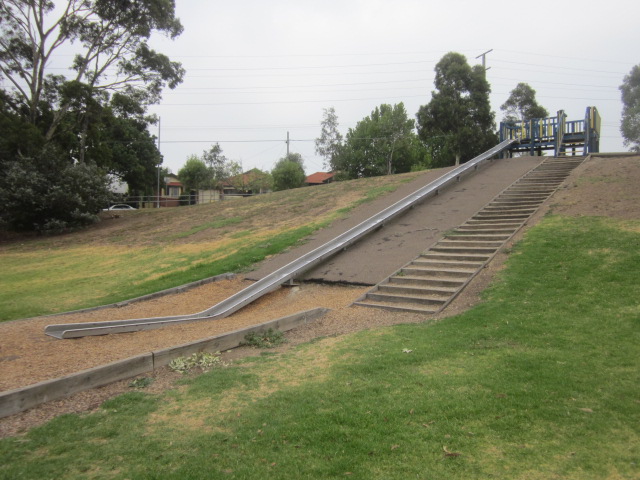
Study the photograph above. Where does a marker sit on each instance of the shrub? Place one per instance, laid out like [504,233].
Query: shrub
[47,193]
[268,339]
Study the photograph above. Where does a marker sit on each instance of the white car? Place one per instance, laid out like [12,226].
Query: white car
[120,206]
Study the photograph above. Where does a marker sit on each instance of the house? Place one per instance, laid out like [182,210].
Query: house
[319,178]
[170,194]
[253,182]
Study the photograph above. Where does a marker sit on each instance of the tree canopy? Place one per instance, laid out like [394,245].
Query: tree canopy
[380,144]
[220,167]
[330,140]
[195,174]
[106,34]
[521,106]
[458,122]
[94,119]
[288,172]
[211,170]
[254,181]
[630,122]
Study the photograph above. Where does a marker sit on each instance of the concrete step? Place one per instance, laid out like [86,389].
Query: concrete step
[424,285]
[432,281]
[455,257]
[529,190]
[535,183]
[506,222]
[454,242]
[510,207]
[492,219]
[399,307]
[483,228]
[432,263]
[524,202]
[471,250]
[467,236]
[405,298]
[440,272]
[412,290]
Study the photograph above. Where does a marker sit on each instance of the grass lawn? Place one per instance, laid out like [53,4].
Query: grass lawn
[151,250]
[541,381]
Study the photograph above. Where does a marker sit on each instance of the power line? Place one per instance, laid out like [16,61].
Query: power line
[280,87]
[559,67]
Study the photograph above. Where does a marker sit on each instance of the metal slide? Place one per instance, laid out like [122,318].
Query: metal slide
[284,274]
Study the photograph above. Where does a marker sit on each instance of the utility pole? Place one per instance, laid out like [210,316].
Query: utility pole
[158,191]
[287,142]
[484,59]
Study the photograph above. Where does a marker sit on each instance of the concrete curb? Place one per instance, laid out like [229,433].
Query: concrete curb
[233,339]
[20,399]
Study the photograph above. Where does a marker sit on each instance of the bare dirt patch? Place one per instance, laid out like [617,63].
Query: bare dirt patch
[600,187]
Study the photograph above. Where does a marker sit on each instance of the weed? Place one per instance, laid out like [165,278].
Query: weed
[268,339]
[143,382]
[201,360]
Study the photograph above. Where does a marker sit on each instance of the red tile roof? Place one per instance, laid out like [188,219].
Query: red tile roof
[318,178]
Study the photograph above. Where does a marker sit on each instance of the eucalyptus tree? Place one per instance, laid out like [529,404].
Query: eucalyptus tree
[330,140]
[522,106]
[458,119]
[220,167]
[110,39]
[630,122]
[382,143]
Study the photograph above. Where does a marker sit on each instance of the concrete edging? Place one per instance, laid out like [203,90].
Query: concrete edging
[233,339]
[20,399]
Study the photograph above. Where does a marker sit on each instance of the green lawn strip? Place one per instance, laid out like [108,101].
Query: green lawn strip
[539,381]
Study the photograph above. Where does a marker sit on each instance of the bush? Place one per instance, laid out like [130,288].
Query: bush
[48,193]
[287,174]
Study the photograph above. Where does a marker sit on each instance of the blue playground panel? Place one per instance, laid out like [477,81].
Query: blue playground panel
[580,137]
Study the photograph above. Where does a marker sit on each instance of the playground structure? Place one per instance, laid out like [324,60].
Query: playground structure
[564,137]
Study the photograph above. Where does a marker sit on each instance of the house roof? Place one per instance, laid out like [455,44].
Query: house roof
[318,178]
[245,178]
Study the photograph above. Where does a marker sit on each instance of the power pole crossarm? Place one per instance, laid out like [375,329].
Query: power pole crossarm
[484,59]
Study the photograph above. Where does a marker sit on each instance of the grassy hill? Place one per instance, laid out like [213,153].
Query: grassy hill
[539,381]
[149,250]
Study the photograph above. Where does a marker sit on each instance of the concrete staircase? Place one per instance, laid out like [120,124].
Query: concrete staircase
[431,281]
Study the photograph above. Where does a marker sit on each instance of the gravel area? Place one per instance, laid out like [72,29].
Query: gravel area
[602,186]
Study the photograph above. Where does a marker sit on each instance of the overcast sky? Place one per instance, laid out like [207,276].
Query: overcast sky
[258,69]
